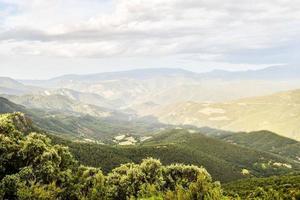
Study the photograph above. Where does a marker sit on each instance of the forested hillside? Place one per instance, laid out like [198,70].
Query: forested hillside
[223,160]
[276,187]
[266,141]
[34,168]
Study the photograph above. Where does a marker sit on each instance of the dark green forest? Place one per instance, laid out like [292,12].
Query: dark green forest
[223,160]
[34,167]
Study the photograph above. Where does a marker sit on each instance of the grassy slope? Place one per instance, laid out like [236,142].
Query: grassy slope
[278,112]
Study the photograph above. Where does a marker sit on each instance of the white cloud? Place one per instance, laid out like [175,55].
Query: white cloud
[203,30]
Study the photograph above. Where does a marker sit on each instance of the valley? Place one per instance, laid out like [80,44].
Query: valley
[175,116]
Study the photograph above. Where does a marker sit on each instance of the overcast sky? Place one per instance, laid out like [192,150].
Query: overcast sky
[45,38]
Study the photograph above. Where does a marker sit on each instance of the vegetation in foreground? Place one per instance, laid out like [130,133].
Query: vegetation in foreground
[33,168]
[282,187]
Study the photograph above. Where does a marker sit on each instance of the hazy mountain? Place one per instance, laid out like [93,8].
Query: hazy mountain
[282,72]
[88,98]
[132,89]
[81,126]
[57,102]
[278,113]
[11,86]
[138,74]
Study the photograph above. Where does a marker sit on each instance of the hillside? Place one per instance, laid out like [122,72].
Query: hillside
[84,97]
[7,106]
[13,87]
[59,102]
[278,113]
[82,126]
[32,167]
[223,160]
[266,141]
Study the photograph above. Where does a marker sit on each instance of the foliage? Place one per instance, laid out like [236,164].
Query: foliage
[266,141]
[223,161]
[285,187]
[34,168]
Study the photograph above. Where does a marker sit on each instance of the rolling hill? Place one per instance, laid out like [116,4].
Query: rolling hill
[278,112]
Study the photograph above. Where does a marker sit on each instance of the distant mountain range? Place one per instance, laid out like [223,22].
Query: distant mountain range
[131,89]
[173,96]
[281,72]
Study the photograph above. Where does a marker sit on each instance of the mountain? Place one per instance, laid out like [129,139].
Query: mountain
[281,72]
[278,113]
[139,74]
[60,101]
[84,127]
[84,97]
[163,86]
[124,88]
[13,87]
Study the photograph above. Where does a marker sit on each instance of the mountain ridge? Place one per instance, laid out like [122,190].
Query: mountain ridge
[279,72]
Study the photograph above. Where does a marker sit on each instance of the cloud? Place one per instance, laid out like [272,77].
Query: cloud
[208,30]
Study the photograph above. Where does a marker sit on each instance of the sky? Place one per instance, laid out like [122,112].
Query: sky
[41,38]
